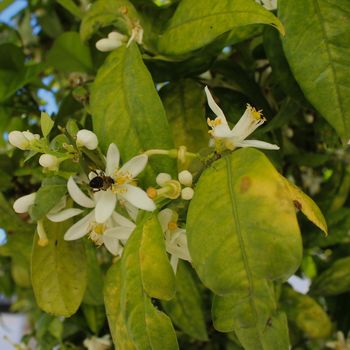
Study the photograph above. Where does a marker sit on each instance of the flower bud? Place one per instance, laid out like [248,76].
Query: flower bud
[185,178]
[162,179]
[49,161]
[113,41]
[30,136]
[17,139]
[187,193]
[87,139]
[22,204]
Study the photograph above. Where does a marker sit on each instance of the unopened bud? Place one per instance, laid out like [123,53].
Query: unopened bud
[162,179]
[185,178]
[17,139]
[309,118]
[187,193]
[87,138]
[49,161]
[22,204]
[113,41]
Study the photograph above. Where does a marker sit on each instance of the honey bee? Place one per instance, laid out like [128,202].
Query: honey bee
[101,182]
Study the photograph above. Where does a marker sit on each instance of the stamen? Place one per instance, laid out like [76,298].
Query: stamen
[172,225]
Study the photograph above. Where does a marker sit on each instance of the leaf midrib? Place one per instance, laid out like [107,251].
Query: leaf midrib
[331,63]
[241,241]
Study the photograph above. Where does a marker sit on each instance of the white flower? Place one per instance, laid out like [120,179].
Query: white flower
[86,138]
[95,343]
[185,178]
[236,137]
[175,237]
[112,42]
[102,223]
[23,204]
[22,139]
[124,179]
[49,161]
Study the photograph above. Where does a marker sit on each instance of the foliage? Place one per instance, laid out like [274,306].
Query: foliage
[140,213]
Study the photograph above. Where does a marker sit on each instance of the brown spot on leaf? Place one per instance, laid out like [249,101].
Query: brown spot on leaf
[297,204]
[246,183]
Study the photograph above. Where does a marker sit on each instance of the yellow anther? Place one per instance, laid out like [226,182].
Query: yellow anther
[99,229]
[43,242]
[151,192]
[213,123]
[172,225]
[257,115]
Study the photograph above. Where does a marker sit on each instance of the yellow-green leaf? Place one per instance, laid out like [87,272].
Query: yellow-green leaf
[307,206]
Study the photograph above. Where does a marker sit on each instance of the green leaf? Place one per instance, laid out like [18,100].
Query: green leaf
[184,103]
[307,206]
[145,264]
[197,22]
[58,271]
[103,13]
[68,54]
[306,314]
[94,289]
[70,6]
[46,124]
[51,191]
[95,317]
[186,308]
[158,279]
[280,67]
[112,296]
[241,220]
[325,80]
[127,110]
[334,280]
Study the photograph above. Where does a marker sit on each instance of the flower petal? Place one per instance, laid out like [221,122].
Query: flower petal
[214,107]
[112,159]
[138,198]
[119,232]
[105,206]
[135,165]
[80,228]
[122,221]
[257,144]
[164,217]
[78,195]
[222,131]
[22,204]
[132,210]
[112,244]
[173,262]
[63,215]
[106,45]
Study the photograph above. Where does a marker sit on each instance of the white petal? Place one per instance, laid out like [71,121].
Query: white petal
[222,131]
[135,165]
[63,215]
[106,45]
[122,221]
[105,206]
[132,210]
[112,244]
[117,36]
[22,204]
[138,198]
[80,228]
[120,232]
[164,217]
[173,262]
[112,159]
[257,144]
[78,195]
[214,107]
